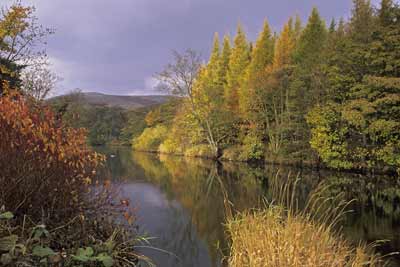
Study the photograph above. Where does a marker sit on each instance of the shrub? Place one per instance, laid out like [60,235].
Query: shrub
[232,153]
[55,210]
[150,139]
[45,166]
[203,151]
[252,149]
[170,146]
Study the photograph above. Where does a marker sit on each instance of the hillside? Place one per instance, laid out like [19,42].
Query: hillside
[122,101]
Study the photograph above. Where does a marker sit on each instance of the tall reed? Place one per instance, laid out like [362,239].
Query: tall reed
[286,235]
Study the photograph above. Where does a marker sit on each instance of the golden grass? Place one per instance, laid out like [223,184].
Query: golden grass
[270,238]
[278,237]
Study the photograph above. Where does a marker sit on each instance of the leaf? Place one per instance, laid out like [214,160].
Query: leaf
[42,252]
[39,231]
[8,243]
[105,259]
[84,254]
[5,259]
[6,216]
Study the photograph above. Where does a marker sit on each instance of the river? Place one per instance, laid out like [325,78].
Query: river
[181,203]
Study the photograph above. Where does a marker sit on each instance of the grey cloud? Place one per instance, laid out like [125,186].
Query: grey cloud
[115,46]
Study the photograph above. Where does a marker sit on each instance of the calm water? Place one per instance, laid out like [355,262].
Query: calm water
[180,202]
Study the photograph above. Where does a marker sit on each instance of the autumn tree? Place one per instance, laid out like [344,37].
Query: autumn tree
[238,62]
[21,41]
[262,56]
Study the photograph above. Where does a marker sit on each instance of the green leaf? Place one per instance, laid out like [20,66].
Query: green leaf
[84,254]
[105,259]
[42,252]
[39,231]
[8,243]
[6,259]
[6,216]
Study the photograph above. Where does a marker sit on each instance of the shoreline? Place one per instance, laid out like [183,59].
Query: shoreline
[307,165]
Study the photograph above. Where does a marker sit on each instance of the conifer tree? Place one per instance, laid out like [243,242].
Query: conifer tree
[284,48]
[308,83]
[212,68]
[362,21]
[238,62]
[297,28]
[224,61]
[332,26]
[312,41]
[262,56]
[385,16]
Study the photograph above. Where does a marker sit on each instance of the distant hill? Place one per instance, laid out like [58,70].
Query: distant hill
[123,101]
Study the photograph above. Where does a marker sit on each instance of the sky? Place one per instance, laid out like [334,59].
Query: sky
[116,46]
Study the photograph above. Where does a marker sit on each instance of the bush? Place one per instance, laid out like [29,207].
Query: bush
[56,215]
[203,151]
[150,139]
[170,146]
[252,149]
[44,166]
[232,153]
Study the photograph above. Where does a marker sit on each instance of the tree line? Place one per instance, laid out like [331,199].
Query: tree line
[312,93]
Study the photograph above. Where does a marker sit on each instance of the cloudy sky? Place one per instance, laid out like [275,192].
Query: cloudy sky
[115,46]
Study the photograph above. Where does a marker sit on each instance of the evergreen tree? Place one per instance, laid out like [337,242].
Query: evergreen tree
[238,62]
[297,28]
[385,14]
[362,21]
[308,87]
[332,26]
[312,42]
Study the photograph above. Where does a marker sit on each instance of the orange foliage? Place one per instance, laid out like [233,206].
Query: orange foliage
[45,167]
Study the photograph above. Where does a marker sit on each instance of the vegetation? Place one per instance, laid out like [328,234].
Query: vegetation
[284,235]
[105,124]
[272,238]
[310,94]
[54,211]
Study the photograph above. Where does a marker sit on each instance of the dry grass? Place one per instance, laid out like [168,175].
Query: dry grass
[271,238]
[290,237]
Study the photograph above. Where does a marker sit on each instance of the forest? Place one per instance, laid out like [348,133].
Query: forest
[325,94]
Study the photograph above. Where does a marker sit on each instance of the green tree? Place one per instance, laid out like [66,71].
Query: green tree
[362,22]
[308,87]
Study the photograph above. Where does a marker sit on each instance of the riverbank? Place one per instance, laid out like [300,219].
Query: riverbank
[206,153]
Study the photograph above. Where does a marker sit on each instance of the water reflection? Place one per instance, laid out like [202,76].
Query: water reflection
[182,202]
